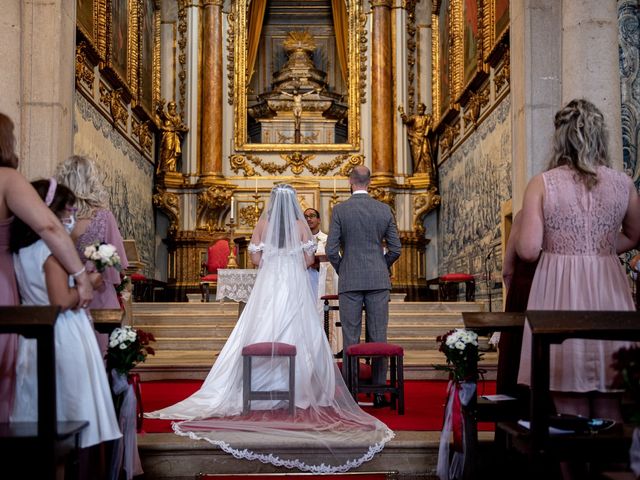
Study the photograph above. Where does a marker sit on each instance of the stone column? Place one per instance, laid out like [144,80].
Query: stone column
[590,63]
[381,89]
[38,58]
[212,45]
[536,69]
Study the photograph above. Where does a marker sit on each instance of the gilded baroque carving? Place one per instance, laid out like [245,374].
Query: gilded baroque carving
[230,55]
[143,132]
[239,162]
[384,195]
[411,52]
[173,130]
[169,204]
[182,56]
[112,99]
[502,77]
[423,203]
[473,108]
[298,162]
[362,55]
[213,204]
[448,136]
[249,215]
[84,74]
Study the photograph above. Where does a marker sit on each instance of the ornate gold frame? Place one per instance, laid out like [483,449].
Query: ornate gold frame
[355,46]
[493,42]
[96,41]
[155,81]
[481,70]
[129,85]
[455,58]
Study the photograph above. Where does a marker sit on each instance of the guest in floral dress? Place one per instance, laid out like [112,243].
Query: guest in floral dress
[95,222]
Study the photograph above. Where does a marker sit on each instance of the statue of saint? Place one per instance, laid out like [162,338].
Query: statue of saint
[172,131]
[418,130]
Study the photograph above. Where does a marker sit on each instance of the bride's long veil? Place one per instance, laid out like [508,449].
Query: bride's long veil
[328,432]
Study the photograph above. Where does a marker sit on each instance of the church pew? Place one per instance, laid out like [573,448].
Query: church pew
[46,440]
[482,409]
[543,450]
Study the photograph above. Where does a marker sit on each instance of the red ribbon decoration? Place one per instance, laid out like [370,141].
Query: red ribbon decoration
[456,417]
[134,380]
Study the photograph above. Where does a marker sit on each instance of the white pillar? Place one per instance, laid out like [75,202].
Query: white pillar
[38,79]
[590,62]
[535,83]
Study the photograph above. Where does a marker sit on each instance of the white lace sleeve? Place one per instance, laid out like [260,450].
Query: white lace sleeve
[309,247]
[253,248]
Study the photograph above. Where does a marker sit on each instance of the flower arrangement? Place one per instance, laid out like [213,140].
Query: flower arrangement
[460,348]
[103,255]
[626,363]
[127,348]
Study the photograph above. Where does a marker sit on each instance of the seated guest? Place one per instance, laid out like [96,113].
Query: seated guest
[95,222]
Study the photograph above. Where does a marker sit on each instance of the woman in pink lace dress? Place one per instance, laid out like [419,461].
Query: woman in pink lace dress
[95,222]
[17,197]
[576,217]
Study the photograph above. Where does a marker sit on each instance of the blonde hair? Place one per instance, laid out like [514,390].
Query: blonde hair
[81,175]
[580,140]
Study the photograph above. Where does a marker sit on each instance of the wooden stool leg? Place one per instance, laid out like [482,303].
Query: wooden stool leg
[292,386]
[246,384]
[354,371]
[393,368]
[400,367]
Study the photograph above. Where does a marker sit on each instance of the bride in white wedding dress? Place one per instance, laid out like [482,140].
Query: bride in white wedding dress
[281,308]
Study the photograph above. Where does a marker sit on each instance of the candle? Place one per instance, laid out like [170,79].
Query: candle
[232,214]
[256,178]
[334,185]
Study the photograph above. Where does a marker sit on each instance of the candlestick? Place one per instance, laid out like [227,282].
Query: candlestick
[232,215]
[334,185]
[256,178]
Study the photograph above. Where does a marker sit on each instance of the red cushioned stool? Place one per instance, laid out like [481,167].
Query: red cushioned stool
[268,349]
[395,353]
[449,287]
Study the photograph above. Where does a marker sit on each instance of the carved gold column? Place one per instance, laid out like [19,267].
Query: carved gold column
[211,131]
[381,88]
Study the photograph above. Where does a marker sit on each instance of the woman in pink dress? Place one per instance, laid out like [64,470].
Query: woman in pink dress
[18,198]
[576,217]
[95,222]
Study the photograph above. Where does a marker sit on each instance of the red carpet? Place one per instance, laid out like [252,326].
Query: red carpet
[424,404]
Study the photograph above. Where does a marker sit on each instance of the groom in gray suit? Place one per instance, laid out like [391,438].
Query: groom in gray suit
[355,249]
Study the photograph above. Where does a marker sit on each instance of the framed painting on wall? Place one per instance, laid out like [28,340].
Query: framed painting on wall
[90,21]
[121,64]
[447,58]
[497,29]
[473,66]
[149,56]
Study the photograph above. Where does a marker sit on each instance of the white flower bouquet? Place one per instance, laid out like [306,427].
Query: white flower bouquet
[460,347]
[128,347]
[103,255]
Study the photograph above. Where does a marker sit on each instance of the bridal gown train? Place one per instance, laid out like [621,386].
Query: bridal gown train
[281,308]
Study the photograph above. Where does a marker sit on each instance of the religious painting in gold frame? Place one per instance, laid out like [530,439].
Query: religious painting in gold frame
[122,49]
[472,65]
[496,13]
[240,78]
[446,57]
[149,56]
[90,21]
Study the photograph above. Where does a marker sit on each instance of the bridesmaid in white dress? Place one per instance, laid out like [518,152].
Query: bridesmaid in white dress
[82,388]
[281,308]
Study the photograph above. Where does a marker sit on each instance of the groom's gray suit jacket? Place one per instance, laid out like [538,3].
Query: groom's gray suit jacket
[358,227]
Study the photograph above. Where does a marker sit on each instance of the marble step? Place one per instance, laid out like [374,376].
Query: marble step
[224,328]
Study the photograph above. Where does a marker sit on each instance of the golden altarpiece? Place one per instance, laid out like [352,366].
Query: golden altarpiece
[296,92]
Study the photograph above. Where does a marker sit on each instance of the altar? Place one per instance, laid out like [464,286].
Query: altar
[236,284]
